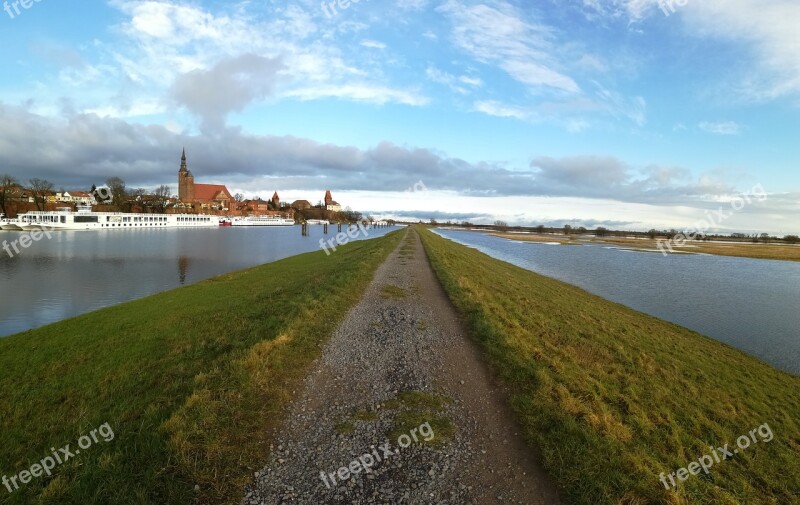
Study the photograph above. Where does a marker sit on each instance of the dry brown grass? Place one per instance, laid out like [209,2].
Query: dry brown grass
[532,237]
[738,249]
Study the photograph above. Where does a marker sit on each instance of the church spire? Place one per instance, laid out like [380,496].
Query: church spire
[183,161]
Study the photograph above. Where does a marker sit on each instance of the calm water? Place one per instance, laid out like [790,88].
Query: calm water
[77,272]
[753,305]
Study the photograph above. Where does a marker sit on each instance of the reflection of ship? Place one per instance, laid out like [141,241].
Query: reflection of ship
[85,219]
[183,268]
[262,221]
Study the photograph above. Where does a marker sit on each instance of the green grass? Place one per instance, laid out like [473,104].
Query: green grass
[344,428]
[391,292]
[415,408]
[613,397]
[365,415]
[192,381]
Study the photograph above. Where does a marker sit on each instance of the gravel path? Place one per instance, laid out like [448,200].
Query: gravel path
[400,368]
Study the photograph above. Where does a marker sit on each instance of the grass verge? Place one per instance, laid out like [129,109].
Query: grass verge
[191,381]
[613,397]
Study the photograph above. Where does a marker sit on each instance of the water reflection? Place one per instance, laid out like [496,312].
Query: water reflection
[183,268]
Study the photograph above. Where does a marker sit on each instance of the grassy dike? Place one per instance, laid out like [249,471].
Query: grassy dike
[191,381]
[613,397]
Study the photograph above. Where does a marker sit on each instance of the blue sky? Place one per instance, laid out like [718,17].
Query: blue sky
[586,112]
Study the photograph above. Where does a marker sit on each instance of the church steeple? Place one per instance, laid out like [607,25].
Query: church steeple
[185,181]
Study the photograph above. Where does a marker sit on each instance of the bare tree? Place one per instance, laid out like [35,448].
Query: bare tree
[7,183]
[40,189]
[238,197]
[138,194]
[162,197]
[118,191]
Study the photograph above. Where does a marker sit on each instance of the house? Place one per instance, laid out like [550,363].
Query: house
[77,197]
[259,206]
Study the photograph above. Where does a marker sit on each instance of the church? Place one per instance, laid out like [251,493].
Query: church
[202,196]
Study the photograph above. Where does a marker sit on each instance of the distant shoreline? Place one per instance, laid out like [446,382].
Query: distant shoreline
[736,248]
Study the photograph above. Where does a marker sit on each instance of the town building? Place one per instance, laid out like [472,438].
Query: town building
[258,206]
[201,196]
[330,204]
[76,197]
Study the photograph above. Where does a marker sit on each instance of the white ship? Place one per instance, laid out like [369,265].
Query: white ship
[317,221]
[262,221]
[85,219]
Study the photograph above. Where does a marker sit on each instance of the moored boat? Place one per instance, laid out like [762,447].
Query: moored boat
[84,219]
[262,221]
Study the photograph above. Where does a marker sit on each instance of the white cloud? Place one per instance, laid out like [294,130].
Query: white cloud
[770,30]
[500,35]
[634,108]
[720,127]
[458,84]
[412,4]
[766,32]
[494,108]
[360,93]
[373,44]
[471,81]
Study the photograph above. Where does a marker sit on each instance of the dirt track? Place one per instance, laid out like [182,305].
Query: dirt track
[400,367]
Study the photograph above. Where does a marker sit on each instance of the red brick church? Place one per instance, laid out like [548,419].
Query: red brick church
[202,196]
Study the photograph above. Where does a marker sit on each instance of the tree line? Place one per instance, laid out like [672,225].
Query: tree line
[122,198]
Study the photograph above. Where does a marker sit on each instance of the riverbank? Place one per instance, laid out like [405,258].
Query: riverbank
[192,381]
[615,398]
[781,252]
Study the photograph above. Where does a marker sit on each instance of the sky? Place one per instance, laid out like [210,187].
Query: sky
[631,114]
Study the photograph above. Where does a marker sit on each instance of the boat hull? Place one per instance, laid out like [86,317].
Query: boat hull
[262,222]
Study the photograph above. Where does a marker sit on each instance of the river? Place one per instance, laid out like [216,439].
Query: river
[76,272]
[751,304]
